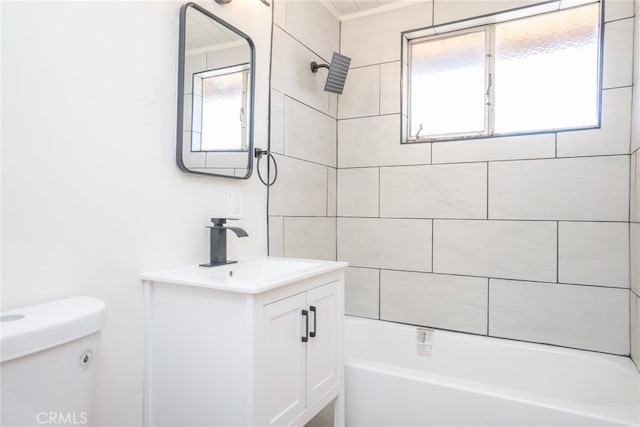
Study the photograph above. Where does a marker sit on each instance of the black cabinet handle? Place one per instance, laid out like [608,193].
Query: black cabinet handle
[305,338]
[315,314]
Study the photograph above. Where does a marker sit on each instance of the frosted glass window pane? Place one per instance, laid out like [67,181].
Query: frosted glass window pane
[546,71]
[222,103]
[448,85]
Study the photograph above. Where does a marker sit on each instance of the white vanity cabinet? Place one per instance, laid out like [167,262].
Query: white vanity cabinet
[255,343]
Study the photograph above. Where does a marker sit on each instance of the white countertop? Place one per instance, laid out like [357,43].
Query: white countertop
[250,275]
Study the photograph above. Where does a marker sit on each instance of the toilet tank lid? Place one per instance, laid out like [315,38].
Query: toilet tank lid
[35,328]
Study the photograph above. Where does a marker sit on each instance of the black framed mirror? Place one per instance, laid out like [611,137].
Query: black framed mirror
[216,81]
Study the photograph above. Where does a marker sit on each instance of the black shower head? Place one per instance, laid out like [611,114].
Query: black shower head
[337,72]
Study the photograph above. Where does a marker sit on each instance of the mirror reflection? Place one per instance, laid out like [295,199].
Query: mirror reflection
[216,103]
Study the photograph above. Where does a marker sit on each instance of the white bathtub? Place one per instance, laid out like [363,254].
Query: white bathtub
[470,380]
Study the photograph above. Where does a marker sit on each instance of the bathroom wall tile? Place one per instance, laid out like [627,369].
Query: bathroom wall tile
[617,63]
[594,253]
[399,244]
[332,188]
[434,300]
[333,105]
[505,148]
[361,94]
[310,238]
[301,188]
[290,73]
[618,9]
[505,249]
[586,317]
[375,38]
[276,236]
[358,192]
[636,47]
[309,134]
[434,191]
[634,236]
[277,122]
[635,329]
[449,11]
[390,91]
[635,115]
[634,191]
[314,26]
[280,13]
[362,292]
[375,141]
[614,135]
[590,188]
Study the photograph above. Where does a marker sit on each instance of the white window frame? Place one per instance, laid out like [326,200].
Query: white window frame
[487,24]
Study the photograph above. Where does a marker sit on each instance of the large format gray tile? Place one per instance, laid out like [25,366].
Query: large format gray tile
[276,143]
[617,63]
[314,26]
[400,244]
[310,238]
[390,91]
[362,292]
[504,148]
[361,94]
[586,317]
[614,135]
[375,141]
[505,249]
[332,189]
[435,300]
[634,191]
[634,249]
[276,236]
[635,329]
[301,188]
[290,73]
[434,191]
[358,192]
[594,253]
[309,134]
[589,189]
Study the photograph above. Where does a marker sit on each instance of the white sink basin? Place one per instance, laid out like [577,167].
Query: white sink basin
[260,269]
[249,275]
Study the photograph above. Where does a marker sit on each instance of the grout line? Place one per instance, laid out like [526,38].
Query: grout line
[539,159]
[624,288]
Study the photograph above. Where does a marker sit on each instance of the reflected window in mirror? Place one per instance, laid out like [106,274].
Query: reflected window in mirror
[216,106]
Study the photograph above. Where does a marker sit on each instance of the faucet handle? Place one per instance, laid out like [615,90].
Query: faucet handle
[222,221]
[219,221]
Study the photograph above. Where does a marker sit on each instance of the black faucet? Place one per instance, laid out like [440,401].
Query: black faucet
[219,241]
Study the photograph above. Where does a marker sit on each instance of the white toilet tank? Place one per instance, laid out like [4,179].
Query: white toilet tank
[48,355]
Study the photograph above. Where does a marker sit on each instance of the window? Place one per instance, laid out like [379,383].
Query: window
[527,75]
[220,105]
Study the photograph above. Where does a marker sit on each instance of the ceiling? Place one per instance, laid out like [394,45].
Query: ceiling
[348,7]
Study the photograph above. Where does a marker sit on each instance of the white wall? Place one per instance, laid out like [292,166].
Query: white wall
[91,194]
[517,237]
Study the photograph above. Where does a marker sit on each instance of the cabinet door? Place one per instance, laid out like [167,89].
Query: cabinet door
[322,349]
[285,358]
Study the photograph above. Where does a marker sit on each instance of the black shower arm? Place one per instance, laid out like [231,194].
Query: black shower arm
[315,66]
